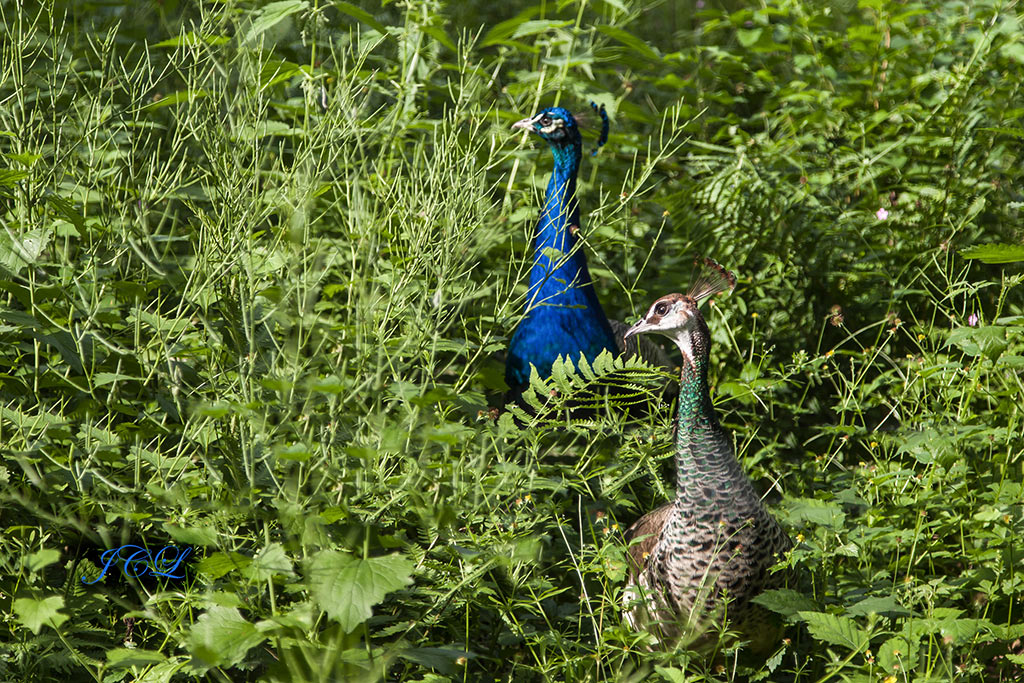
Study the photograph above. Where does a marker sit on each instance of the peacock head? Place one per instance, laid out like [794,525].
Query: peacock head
[678,316]
[555,124]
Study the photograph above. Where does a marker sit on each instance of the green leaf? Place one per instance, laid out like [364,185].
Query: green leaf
[192,38]
[814,511]
[441,659]
[360,15]
[34,614]
[269,562]
[175,98]
[785,601]
[219,564]
[43,558]
[629,40]
[995,253]
[897,654]
[530,28]
[273,14]
[122,657]
[841,631]
[347,588]
[222,637]
[885,605]
[672,675]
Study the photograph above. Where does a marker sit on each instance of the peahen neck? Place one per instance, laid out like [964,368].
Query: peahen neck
[707,471]
[559,275]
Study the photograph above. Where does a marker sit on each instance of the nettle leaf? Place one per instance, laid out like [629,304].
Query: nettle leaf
[987,340]
[347,587]
[884,605]
[222,637]
[785,601]
[269,562]
[995,253]
[841,631]
[897,654]
[35,613]
[122,657]
[814,511]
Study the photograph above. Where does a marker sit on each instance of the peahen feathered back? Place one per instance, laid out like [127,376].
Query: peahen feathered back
[563,314]
[715,539]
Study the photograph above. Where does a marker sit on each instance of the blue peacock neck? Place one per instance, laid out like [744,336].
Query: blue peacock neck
[559,275]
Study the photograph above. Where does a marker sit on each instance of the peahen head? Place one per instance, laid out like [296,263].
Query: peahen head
[678,316]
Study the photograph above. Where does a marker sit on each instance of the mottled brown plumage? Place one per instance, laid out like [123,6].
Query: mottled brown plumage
[702,557]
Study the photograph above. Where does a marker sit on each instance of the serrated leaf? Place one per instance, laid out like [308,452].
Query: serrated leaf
[885,605]
[222,637]
[785,601]
[270,561]
[35,613]
[897,654]
[219,564]
[347,588]
[840,631]
[995,253]
[814,511]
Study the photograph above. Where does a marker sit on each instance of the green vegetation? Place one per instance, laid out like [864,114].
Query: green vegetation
[258,263]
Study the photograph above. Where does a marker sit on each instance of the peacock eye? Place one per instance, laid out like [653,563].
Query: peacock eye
[661,309]
[545,121]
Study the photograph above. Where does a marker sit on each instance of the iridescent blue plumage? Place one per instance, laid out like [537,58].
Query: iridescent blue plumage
[563,314]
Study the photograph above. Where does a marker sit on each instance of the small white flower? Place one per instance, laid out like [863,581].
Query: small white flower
[972,320]
[881,214]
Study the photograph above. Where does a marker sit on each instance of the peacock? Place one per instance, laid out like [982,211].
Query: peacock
[563,314]
[708,552]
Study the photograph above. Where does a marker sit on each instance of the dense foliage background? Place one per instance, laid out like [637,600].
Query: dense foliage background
[259,262]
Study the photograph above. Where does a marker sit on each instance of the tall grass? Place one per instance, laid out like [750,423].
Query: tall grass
[259,263]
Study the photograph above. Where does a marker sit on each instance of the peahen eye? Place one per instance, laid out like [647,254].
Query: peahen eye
[545,120]
[661,309]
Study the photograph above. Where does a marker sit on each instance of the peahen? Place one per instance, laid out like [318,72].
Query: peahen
[708,552]
[563,314]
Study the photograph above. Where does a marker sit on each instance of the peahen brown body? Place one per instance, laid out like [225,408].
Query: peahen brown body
[703,556]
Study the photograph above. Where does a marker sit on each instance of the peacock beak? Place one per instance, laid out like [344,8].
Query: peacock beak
[640,326]
[526,124]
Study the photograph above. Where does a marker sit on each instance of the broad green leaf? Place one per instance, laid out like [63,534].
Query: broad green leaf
[995,253]
[41,559]
[222,637]
[897,654]
[272,14]
[441,659]
[814,511]
[885,605]
[785,601]
[270,561]
[347,588]
[219,564]
[841,631]
[35,613]
[122,657]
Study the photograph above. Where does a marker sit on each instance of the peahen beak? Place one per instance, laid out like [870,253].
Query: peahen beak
[640,326]
[526,124]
